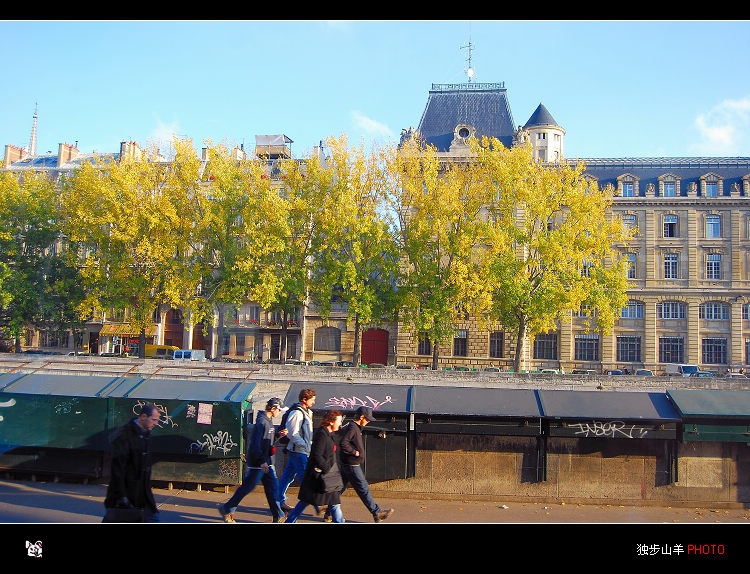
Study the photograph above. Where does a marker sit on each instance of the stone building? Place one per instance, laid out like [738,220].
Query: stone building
[689,271]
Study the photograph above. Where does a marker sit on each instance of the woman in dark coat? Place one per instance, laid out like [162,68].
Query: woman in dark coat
[323,458]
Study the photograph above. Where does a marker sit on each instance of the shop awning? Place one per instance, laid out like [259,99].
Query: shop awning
[125,329]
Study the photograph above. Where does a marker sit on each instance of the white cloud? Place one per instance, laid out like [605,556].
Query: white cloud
[372,128]
[162,135]
[724,129]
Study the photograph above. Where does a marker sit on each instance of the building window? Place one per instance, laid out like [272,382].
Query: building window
[746,311]
[424,347]
[632,266]
[633,310]
[630,221]
[715,351]
[460,344]
[670,226]
[670,310]
[629,349]
[713,266]
[670,189]
[327,339]
[712,189]
[497,338]
[714,311]
[545,346]
[713,226]
[670,350]
[747,351]
[670,266]
[587,348]
[628,189]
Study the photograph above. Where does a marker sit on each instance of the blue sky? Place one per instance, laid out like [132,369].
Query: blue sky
[619,88]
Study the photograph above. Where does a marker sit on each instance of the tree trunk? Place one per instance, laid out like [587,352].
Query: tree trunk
[282,343]
[142,344]
[434,356]
[519,346]
[355,356]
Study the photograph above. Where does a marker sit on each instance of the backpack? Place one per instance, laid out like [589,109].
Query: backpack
[284,440]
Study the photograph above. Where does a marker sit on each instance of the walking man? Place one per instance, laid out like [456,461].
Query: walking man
[259,464]
[130,483]
[299,427]
[352,456]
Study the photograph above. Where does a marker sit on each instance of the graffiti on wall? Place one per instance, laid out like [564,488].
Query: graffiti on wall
[611,429]
[220,441]
[353,402]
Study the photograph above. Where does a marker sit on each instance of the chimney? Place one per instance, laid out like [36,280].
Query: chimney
[130,150]
[65,152]
[12,154]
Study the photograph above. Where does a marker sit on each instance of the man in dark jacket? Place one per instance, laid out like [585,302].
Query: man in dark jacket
[260,464]
[130,483]
[352,455]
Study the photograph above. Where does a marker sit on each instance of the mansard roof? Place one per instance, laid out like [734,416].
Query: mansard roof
[648,170]
[482,106]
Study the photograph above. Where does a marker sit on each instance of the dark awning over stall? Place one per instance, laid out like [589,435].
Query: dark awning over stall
[609,414]
[713,415]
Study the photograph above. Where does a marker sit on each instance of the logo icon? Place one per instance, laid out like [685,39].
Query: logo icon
[34,549]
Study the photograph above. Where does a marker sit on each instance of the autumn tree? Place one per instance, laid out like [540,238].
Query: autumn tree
[229,232]
[355,255]
[123,215]
[548,247]
[282,238]
[435,207]
[30,261]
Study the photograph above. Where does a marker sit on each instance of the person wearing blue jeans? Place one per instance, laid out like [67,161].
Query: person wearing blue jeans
[322,460]
[299,427]
[352,456]
[260,465]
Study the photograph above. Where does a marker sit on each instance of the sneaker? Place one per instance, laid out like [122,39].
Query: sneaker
[328,518]
[380,516]
[226,516]
[318,510]
[281,519]
[286,508]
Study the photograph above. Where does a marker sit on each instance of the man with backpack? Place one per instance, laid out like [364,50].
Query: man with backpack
[299,426]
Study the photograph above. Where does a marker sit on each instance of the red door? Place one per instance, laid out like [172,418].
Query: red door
[374,347]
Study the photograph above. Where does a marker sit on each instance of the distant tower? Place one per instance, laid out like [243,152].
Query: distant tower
[32,143]
[545,134]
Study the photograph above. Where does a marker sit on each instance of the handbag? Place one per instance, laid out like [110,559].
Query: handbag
[331,480]
[124,514]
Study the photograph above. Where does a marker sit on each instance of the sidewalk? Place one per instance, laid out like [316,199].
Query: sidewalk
[50,502]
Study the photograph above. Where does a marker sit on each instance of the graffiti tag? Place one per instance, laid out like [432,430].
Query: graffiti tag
[613,429]
[351,403]
[164,418]
[8,403]
[221,441]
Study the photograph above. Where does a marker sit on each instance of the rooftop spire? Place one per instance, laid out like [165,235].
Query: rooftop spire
[32,143]
[469,70]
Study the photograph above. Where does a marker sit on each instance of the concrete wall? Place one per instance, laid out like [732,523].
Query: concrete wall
[590,471]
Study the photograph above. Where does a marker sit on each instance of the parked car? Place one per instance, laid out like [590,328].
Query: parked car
[702,374]
[550,371]
[675,370]
[644,373]
[491,369]
[376,366]
[295,362]
[615,372]
[404,366]
[584,372]
[345,364]
[737,376]
[326,364]
[189,355]
[313,363]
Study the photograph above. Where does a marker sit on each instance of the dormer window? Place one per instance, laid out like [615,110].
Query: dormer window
[669,185]
[711,185]
[627,185]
